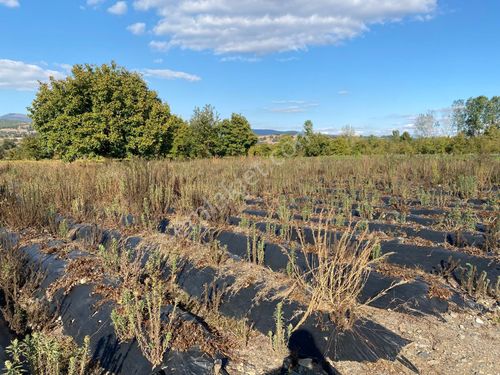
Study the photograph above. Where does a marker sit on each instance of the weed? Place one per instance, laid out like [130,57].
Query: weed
[376,252]
[279,339]
[19,282]
[466,186]
[244,223]
[477,285]
[63,228]
[366,210]
[140,316]
[492,236]
[44,354]
[424,197]
[217,253]
[255,248]
[336,278]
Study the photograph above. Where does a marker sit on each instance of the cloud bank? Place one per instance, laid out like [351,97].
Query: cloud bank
[169,74]
[18,75]
[266,26]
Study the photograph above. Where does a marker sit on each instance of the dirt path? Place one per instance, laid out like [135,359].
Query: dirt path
[463,344]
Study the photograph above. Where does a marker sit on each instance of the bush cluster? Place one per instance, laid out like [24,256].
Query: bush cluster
[109,112]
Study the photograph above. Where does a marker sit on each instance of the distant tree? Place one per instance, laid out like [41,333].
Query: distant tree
[308,128]
[234,136]
[426,125]
[406,136]
[260,149]
[458,115]
[31,148]
[395,135]
[476,115]
[204,125]
[285,148]
[348,131]
[101,111]
[339,146]
[311,143]
[6,146]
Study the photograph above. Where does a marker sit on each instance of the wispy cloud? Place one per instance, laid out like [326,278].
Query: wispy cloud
[240,59]
[170,74]
[92,3]
[10,3]
[343,92]
[137,28]
[287,59]
[119,8]
[291,106]
[159,46]
[21,76]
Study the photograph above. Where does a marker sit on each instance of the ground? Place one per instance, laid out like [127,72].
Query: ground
[460,344]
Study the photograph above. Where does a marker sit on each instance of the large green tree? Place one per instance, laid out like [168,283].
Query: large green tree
[234,136]
[477,115]
[101,111]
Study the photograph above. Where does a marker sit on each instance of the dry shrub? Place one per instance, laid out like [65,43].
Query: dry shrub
[19,282]
[335,280]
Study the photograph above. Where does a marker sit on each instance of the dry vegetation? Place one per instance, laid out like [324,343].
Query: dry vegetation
[276,202]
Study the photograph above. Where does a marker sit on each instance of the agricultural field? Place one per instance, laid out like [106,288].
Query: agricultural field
[332,265]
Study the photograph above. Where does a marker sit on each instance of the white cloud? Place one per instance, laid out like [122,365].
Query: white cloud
[287,59]
[158,61]
[94,2]
[18,75]
[170,74]
[291,106]
[10,3]
[119,8]
[239,58]
[137,28]
[343,92]
[159,46]
[265,26]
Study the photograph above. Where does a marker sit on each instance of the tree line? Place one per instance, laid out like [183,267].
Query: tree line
[108,111]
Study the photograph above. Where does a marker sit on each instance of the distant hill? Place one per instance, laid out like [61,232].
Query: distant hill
[264,132]
[16,117]
[15,125]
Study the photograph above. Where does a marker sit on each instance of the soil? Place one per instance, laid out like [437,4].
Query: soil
[462,344]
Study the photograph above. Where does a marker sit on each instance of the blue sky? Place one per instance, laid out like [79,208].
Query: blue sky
[373,64]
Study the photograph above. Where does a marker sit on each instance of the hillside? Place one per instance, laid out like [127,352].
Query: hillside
[265,132]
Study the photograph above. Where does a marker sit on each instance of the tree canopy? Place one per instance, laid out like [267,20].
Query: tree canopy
[477,115]
[108,111]
[101,111]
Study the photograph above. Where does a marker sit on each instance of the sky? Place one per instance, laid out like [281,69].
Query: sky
[372,64]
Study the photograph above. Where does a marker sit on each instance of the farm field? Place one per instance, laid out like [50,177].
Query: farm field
[370,264]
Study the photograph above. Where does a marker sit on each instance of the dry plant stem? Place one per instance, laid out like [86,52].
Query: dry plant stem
[342,268]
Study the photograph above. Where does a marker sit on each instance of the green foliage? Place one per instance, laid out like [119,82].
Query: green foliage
[477,115]
[285,148]
[279,339]
[323,145]
[101,111]
[30,147]
[234,136]
[45,354]
[208,136]
[140,316]
[5,146]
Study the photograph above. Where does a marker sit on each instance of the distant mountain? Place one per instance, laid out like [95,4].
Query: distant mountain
[263,132]
[16,117]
